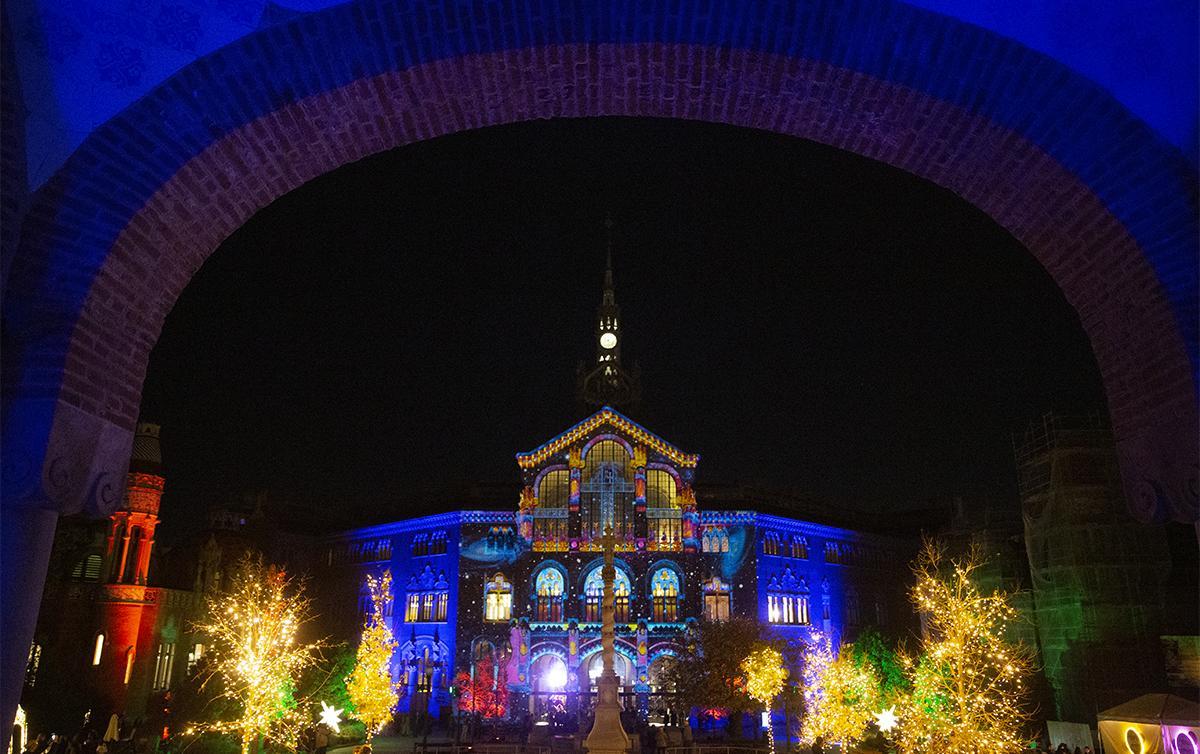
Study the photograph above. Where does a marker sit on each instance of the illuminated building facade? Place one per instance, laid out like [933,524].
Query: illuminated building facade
[514,595]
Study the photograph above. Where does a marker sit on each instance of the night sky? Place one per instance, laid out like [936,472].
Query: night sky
[804,318]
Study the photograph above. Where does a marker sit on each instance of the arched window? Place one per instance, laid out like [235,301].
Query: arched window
[131,555]
[660,489]
[554,489]
[787,600]
[98,650]
[716,599]
[832,553]
[664,589]
[799,547]
[128,665]
[716,539]
[550,515]
[771,543]
[164,665]
[549,587]
[852,611]
[593,593]
[420,544]
[607,476]
[497,599]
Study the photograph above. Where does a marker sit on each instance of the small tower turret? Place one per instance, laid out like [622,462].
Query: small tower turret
[608,382]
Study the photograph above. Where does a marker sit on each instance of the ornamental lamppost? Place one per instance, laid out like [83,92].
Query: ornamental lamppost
[607,735]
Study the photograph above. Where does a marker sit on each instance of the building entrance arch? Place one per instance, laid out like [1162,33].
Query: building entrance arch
[109,242]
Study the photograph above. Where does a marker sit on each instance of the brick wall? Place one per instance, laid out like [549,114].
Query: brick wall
[1093,193]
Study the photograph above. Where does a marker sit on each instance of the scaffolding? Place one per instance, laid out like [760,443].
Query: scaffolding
[1097,575]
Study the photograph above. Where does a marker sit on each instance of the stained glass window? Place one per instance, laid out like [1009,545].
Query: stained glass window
[549,587]
[593,590]
[664,588]
[607,491]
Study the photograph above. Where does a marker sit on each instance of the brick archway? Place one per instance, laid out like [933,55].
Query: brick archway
[1105,205]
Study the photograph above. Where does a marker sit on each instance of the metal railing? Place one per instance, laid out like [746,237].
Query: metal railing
[703,748]
[478,748]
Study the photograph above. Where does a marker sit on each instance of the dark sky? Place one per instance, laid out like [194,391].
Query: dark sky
[803,317]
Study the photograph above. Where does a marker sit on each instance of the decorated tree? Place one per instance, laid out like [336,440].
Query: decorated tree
[482,695]
[841,694]
[257,655]
[969,683]
[372,691]
[763,674]
[708,672]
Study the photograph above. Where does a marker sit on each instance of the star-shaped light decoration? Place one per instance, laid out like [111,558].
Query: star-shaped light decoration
[886,719]
[331,716]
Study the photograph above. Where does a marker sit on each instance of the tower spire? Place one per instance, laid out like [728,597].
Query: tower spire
[609,295]
[608,383]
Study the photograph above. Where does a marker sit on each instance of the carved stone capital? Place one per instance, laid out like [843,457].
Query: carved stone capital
[1160,472]
[63,459]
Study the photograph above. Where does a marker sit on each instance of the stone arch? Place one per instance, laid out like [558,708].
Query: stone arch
[109,242]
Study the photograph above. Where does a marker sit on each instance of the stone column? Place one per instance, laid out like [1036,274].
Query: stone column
[607,735]
[57,460]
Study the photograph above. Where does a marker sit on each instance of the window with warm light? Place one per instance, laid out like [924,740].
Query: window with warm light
[164,664]
[660,489]
[412,610]
[593,592]
[550,587]
[716,599]
[98,650]
[787,600]
[195,655]
[497,599]
[554,489]
[128,665]
[664,590]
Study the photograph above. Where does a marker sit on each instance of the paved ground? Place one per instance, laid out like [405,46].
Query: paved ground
[389,745]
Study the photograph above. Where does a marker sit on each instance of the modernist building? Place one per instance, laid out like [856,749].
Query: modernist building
[514,595]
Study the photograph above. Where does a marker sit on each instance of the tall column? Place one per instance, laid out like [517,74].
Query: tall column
[57,460]
[607,735]
[640,525]
[574,523]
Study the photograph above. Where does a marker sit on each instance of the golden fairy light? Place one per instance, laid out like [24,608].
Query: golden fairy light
[765,676]
[253,630]
[840,695]
[970,683]
[370,685]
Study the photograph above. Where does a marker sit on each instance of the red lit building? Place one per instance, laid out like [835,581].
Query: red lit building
[107,639]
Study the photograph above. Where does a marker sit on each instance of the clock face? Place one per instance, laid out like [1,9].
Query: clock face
[608,340]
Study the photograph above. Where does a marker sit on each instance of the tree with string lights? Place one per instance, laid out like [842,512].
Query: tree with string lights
[968,686]
[253,629]
[841,694]
[764,677]
[372,691]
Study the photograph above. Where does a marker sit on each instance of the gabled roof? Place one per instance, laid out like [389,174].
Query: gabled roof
[610,417]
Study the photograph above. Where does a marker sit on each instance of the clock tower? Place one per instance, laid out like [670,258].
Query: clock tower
[607,382]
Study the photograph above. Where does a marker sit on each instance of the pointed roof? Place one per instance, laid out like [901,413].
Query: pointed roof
[606,416]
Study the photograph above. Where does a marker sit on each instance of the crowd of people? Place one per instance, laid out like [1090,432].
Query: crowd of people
[117,737]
